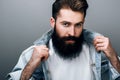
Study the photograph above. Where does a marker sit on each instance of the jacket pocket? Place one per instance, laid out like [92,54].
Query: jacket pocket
[105,70]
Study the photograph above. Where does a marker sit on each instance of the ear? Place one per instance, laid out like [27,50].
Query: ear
[52,22]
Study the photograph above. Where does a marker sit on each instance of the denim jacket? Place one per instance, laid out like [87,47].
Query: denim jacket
[102,68]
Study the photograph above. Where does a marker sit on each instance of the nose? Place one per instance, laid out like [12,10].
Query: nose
[71,31]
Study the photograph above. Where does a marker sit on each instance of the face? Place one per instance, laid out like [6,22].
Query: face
[68,23]
[67,36]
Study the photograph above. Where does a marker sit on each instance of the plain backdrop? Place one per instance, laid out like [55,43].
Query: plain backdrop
[24,21]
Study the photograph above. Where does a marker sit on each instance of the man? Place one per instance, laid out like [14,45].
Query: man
[68,51]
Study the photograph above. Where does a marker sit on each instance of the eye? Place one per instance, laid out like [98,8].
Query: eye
[66,24]
[79,25]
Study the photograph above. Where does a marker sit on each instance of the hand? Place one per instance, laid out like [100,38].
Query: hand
[102,43]
[39,53]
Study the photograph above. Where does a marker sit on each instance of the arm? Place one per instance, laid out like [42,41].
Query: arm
[23,60]
[39,53]
[19,70]
[102,43]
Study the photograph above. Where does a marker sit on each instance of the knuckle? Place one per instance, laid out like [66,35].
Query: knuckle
[107,38]
[35,48]
[43,45]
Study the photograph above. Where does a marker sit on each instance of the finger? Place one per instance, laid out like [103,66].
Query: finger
[45,55]
[44,47]
[41,46]
[98,42]
[99,45]
[99,48]
[99,37]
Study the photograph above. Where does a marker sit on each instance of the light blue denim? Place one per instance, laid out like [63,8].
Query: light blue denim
[102,69]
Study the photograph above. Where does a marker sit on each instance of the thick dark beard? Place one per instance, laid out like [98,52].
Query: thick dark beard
[67,51]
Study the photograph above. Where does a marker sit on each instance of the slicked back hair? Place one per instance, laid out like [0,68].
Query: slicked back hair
[74,5]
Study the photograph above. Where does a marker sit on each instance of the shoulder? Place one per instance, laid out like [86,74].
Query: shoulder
[89,35]
[44,39]
[27,53]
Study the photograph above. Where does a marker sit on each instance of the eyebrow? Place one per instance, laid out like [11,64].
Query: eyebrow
[81,22]
[65,22]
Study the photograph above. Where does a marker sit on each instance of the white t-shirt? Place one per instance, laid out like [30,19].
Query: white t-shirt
[76,69]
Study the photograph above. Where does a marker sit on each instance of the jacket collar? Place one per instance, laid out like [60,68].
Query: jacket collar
[88,37]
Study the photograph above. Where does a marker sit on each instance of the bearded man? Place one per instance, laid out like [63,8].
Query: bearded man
[68,51]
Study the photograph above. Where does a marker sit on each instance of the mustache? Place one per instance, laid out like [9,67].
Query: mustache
[70,38]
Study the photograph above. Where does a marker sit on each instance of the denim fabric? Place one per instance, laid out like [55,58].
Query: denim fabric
[102,69]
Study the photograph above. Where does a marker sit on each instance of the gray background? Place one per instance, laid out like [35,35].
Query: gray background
[24,21]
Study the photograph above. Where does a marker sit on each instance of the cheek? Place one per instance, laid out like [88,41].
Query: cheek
[78,32]
[61,31]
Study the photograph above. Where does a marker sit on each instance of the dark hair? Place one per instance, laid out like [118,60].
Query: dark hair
[75,5]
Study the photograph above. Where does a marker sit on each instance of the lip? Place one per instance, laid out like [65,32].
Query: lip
[70,41]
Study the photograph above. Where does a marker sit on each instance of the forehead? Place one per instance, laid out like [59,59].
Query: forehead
[69,15]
